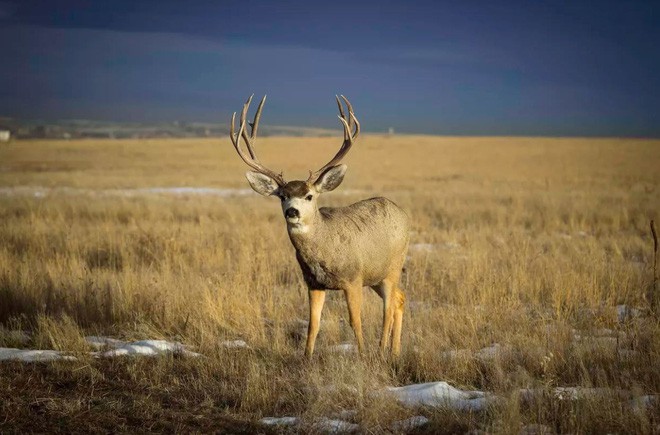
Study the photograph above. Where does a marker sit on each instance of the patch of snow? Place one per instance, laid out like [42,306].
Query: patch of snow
[439,394]
[456,354]
[28,355]
[103,342]
[627,354]
[235,344]
[602,332]
[598,343]
[22,191]
[493,352]
[279,421]
[332,426]
[347,414]
[450,246]
[422,247]
[410,424]
[40,192]
[149,348]
[625,313]
[346,348]
[190,191]
[602,339]
[642,403]
[570,393]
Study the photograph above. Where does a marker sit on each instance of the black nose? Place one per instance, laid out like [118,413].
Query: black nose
[292,213]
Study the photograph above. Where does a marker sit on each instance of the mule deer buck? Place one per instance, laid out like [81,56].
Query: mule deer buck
[338,248]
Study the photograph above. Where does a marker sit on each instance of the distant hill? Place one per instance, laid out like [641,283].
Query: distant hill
[82,128]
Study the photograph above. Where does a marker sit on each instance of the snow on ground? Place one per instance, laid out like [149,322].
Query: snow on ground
[457,354]
[345,348]
[604,339]
[432,247]
[235,344]
[440,394]
[571,393]
[176,191]
[347,414]
[149,348]
[28,355]
[410,424]
[110,347]
[279,421]
[487,354]
[41,192]
[624,313]
[422,247]
[333,426]
[642,403]
[494,351]
[103,342]
[322,425]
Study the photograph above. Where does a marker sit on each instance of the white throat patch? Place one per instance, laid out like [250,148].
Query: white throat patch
[297,228]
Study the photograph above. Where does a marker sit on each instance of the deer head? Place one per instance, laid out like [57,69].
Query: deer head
[298,198]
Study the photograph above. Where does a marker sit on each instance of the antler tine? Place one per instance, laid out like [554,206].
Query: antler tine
[254,125]
[252,161]
[257,117]
[349,138]
[236,139]
[246,138]
[352,118]
[341,112]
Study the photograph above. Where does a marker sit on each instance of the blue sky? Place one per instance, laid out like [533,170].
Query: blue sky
[468,67]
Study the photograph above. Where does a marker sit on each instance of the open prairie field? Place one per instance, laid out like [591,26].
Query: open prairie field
[528,286]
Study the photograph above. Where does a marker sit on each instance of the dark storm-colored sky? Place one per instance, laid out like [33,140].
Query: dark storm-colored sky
[455,67]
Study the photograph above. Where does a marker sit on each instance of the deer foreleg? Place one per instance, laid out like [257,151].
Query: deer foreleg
[316,300]
[354,301]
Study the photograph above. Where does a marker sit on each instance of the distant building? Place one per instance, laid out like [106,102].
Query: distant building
[5,135]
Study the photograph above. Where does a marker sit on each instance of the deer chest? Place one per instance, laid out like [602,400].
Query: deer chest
[319,274]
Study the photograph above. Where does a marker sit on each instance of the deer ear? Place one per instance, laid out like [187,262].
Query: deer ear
[331,178]
[262,184]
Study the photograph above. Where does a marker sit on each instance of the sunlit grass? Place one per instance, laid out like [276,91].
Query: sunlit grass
[522,242]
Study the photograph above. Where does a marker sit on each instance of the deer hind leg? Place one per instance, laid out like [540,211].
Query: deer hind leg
[354,302]
[316,300]
[399,303]
[385,290]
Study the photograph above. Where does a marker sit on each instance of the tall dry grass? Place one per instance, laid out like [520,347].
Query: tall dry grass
[523,242]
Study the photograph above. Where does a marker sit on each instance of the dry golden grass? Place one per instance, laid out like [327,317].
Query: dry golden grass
[516,241]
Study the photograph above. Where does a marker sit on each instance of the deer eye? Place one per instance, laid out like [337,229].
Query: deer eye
[308,197]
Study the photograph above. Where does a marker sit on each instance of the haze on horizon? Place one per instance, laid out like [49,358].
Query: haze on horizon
[475,67]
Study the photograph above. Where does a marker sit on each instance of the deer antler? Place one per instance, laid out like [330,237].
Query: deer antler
[349,138]
[251,158]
